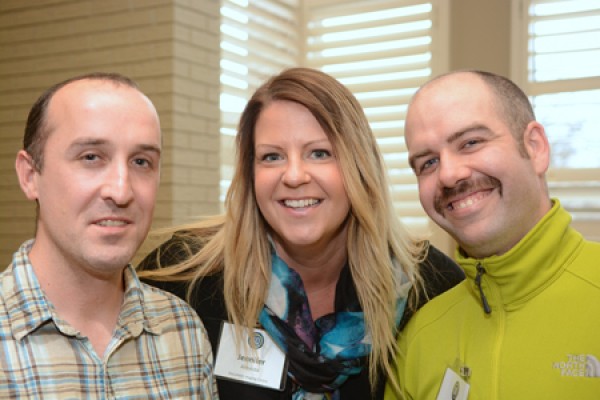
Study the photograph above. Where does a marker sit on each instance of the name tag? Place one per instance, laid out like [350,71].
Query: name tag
[260,363]
[453,387]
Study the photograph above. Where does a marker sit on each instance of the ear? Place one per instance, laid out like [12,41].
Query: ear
[537,146]
[27,174]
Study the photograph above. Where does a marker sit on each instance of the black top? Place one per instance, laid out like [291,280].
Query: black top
[439,273]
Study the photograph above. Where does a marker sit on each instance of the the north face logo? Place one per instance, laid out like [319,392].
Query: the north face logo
[583,365]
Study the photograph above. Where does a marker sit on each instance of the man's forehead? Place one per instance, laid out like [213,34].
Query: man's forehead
[84,94]
[435,106]
[459,83]
[442,101]
[76,90]
[91,97]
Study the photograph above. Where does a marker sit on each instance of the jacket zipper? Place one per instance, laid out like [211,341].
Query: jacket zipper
[484,302]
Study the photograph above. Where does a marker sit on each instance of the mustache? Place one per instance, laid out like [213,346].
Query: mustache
[466,186]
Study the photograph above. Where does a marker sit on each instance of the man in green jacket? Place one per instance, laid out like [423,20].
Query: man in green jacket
[525,322]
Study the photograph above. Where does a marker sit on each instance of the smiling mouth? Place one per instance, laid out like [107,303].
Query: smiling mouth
[466,194]
[468,201]
[111,222]
[304,203]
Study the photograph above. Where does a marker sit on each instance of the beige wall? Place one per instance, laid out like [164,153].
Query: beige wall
[170,47]
[480,35]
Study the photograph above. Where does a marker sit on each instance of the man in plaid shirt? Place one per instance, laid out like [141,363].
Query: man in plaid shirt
[75,321]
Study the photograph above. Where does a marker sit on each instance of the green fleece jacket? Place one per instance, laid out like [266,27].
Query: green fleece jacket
[541,338]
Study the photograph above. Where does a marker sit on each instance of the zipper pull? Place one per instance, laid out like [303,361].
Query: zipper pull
[484,302]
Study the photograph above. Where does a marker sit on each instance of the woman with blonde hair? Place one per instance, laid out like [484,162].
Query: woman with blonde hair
[309,248]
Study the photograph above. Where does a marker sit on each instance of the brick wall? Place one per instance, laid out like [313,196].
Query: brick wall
[170,47]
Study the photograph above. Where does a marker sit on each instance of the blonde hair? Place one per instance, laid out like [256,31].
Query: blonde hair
[379,249]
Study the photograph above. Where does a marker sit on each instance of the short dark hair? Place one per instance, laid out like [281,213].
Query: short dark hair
[513,103]
[36,133]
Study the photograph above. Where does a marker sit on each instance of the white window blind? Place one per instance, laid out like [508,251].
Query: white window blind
[259,38]
[382,50]
[557,62]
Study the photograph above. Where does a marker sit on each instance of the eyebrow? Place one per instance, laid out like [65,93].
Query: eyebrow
[308,144]
[451,139]
[151,148]
[93,142]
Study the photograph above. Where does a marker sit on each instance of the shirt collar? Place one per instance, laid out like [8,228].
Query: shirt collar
[29,308]
[25,301]
[133,316]
[530,265]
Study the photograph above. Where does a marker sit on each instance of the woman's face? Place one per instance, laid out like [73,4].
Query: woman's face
[297,179]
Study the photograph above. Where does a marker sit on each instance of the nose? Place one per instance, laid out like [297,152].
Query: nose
[452,171]
[117,185]
[295,173]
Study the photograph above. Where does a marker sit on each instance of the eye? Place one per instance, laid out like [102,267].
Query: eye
[427,165]
[142,162]
[471,142]
[320,154]
[90,157]
[270,157]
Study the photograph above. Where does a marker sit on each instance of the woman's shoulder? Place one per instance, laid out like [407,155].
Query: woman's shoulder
[439,272]
[181,245]
[206,295]
[178,248]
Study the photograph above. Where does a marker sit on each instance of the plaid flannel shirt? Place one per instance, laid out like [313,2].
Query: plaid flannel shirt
[159,348]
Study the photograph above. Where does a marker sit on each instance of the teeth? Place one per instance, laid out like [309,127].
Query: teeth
[111,223]
[300,203]
[464,203]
